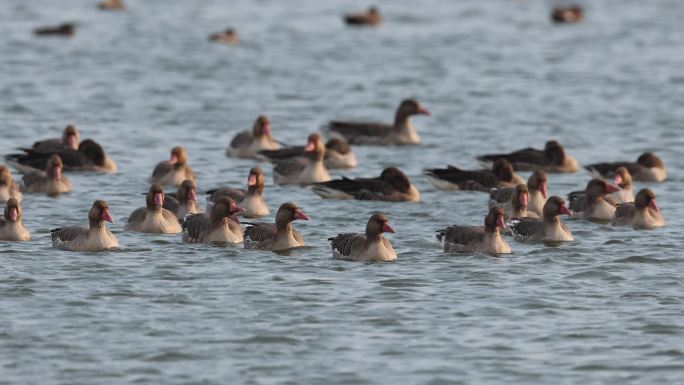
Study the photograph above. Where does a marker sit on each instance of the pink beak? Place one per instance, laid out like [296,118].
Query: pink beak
[173,159]
[611,189]
[310,146]
[235,209]
[57,173]
[106,217]
[266,129]
[424,111]
[301,215]
[524,199]
[500,222]
[159,199]
[386,228]
[192,195]
[652,204]
[251,180]
[565,210]
[14,214]
[71,142]
[542,188]
[618,180]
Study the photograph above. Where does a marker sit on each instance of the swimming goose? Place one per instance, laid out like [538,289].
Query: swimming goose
[370,17]
[551,159]
[11,228]
[95,237]
[66,29]
[220,226]
[594,202]
[153,218]
[392,185]
[338,154]
[369,247]
[51,181]
[303,170]
[111,5]
[252,200]
[536,186]
[89,157]
[8,188]
[247,144]
[549,228]
[516,206]
[229,36]
[647,168]
[70,140]
[401,132]
[643,213]
[173,171]
[453,178]
[279,236]
[183,201]
[623,180]
[477,239]
[567,14]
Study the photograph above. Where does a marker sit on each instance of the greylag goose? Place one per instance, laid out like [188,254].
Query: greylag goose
[11,228]
[338,154]
[229,36]
[647,168]
[8,188]
[567,14]
[95,237]
[303,170]
[184,201]
[623,180]
[453,178]
[51,181]
[370,17]
[111,5]
[516,206]
[247,144]
[173,171]
[536,186]
[279,236]
[401,132]
[251,200]
[66,29]
[70,140]
[643,213]
[220,226]
[477,239]
[549,228]
[551,159]
[594,202]
[369,247]
[153,218]
[89,157]
[392,185]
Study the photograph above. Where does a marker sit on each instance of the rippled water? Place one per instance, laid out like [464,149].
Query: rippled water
[496,75]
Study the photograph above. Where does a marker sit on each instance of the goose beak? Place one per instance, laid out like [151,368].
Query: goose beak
[652,204]
[386,228]
[13,214]
[611,188]
[565,210]
[500,222]
[159,199]
[173,159]
[106,217]
[543,190]
[524,199]
[424,111]
[618,180]
[192,195]
[300,215]
[251,180]
[310,146]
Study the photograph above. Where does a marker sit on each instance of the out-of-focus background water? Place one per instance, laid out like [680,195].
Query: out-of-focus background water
[497,75]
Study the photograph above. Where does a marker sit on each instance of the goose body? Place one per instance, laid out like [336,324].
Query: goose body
[392,185]
[153,218]
[478,239]
[251,200]
[305,170]
[247,144]
[647,168]
[184,201]
[279,236]
[453,178]
[551,159]
[643,213]
[95,237]
[51,181]
[174,171]
[89,157]
[549,228]
[368,247]
[11,228]
[8,187]
[220,226]
[594,203]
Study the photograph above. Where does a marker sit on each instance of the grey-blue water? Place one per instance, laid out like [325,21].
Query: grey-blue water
[497,75]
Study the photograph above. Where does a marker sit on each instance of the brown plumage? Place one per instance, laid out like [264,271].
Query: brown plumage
[643,213]
[647,168]
[229,36]
[173,171]
[453,178]
[279,236]
[220,226]
[90,156]
[11,228]
[551,159]
[392,185]
[567,14]
[66,29]
[338,154]
[304,170]
[478,239]
[594,202]
[247,144]
[516,206]
[51,181]
[95,237]
[251,200]
[8,188]
[70,140]
[153,218]
[183,201]
[536,186]
[548,228]
[368,247]
[370,17]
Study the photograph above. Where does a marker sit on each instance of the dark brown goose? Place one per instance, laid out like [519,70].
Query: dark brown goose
[594,202]
[647,168]
[476,239]
[70,140]
[89,157]
[153,218]
[11,228]
[338,154]
[66,29]
[371,17]
[516,206]
[304,170]
[251,200]
[536,186]
[548,228]
[643,213]
[567,14]
[183,201]
[247,144]
[368,247]
[551,159]
[173,171]
[220,226]
[453,178]
[51,181]
[229,36]
[401,132]
[8,188]
[95,237]
[392,185]
[279,236]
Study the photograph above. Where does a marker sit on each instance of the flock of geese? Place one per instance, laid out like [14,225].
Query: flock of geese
[520,208]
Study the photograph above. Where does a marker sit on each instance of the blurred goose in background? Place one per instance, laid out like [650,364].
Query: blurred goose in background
[536,186]
[453,178]
[8,188]
[51,181]
[551,159]
[643,213]
[401,132]
[338,154]
[11,228]
[303,170]
[279,236]
[476,239]
[623,180]
[516,206]
[647,168]
[567,14]
[66,29]
[392,185]
[153,218]
[220,226]
[89,157]
[594,202]
[251,200]
[173,171]
[70,140]
[183,201]
[111,5]
[369,247]
[247,144]
[95,237]
[229,36]
[548,228]
[370,17]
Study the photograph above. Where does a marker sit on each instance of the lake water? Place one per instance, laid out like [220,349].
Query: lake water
[497,76]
